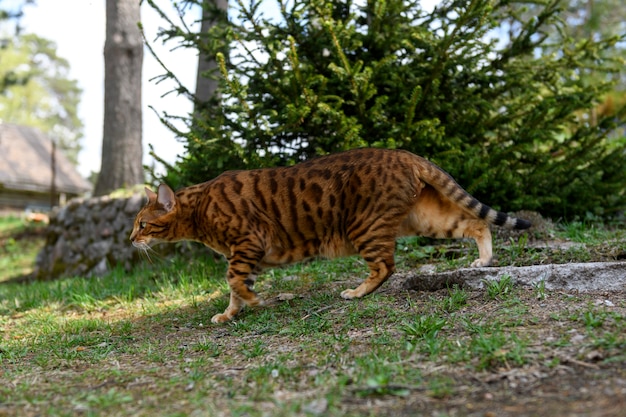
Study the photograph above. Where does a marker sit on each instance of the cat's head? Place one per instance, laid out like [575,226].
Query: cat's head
[154,220]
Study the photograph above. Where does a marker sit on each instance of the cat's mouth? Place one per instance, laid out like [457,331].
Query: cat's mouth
[140,245]
[145,243]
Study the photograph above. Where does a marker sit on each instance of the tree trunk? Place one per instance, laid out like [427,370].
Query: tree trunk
[207,88]
[122,151]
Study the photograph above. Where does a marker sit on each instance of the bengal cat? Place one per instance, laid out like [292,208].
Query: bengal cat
[355,202]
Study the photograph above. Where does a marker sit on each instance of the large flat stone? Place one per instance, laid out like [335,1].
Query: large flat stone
[605,276]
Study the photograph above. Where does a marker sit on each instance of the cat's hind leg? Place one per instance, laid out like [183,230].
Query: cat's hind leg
[379,258]
[439,218]
[482,235]
[478,230]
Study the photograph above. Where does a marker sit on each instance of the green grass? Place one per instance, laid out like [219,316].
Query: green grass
[499,289]
[141,343]
[20,241]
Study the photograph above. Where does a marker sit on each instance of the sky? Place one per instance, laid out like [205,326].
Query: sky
[78,29]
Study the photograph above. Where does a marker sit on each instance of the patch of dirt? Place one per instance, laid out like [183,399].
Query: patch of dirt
[566,373]
[571,371]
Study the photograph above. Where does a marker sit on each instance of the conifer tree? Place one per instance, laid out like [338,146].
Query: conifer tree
[476,86]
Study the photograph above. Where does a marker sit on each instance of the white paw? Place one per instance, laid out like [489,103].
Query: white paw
[220,318]
[349,294]
[479,263]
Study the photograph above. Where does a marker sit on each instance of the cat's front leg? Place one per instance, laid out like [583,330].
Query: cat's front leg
[231,311]
[241,275]
[235,305]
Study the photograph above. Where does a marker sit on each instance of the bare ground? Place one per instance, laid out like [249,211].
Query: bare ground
[569,369]
[574,378]
[570,379]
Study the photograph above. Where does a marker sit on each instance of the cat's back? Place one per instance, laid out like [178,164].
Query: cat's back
[326,179]
[313,208]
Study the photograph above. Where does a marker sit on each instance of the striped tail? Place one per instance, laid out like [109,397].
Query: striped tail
[445,184]
[498,218]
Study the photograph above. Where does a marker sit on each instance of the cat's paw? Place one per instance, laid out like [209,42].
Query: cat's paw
[349,294]
[479,263]
[221,318]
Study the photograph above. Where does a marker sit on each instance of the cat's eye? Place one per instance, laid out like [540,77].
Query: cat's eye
[142,225]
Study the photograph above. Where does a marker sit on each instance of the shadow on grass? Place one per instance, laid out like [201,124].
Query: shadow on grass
[162,326]
[22,293]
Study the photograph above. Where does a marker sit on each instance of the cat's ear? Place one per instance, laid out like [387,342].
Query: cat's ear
[166,197]
[151,195]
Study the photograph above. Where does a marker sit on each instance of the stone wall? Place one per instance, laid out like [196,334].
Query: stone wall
[89,237]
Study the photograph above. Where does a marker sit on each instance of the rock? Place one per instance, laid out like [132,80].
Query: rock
[134,204]
[98,250]
[101,268]
[606,276]
[80,214]
[87,237]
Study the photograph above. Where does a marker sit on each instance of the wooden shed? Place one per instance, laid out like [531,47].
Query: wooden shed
[32,177]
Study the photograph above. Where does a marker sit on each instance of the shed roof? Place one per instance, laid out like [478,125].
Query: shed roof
[25,163]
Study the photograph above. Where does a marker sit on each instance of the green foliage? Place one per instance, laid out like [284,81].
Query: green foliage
[586,20]
[38,92]
[499,289]
[476,86]
[10,16]
[20,241]
[457,298]
[424,327]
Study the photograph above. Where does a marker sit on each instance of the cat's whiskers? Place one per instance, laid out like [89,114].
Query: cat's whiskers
[146,250]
